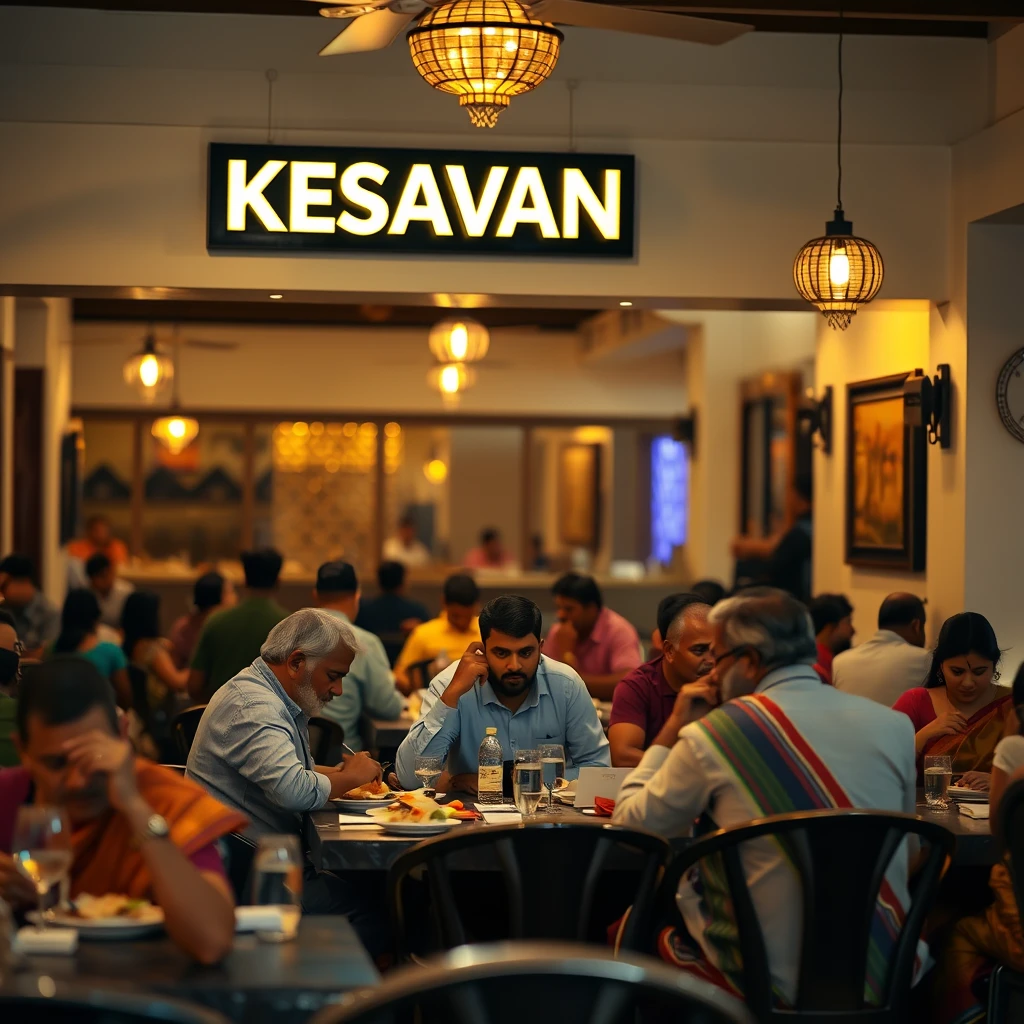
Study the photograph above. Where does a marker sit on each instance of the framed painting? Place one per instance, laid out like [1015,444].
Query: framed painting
[579,496]
[886,478]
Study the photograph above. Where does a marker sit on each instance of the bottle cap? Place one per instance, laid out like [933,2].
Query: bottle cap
[491,730]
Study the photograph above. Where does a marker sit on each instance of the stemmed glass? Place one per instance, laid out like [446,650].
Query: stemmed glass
[428,770]
[552,759]
[41,845]
[527,787]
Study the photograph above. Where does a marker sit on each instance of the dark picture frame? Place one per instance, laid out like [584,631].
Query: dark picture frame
[886,478]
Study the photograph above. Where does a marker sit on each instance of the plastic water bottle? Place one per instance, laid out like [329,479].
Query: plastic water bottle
[489,774]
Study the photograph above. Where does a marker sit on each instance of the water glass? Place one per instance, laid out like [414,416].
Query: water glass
[41,845]
[552,759]
[938,773]
[527,784]
[277,882]
[428,770]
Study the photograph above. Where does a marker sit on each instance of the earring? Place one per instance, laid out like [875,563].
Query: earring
[996,676]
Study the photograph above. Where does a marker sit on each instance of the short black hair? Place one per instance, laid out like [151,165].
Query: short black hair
[966,633]
[262,568]
[711,590]
[140,619]
[575,587]
[488,534]
[98,563]
[208,591]
[462,590]
[62,690]
[512,615]
[828,610]
[900,610]
[18,567]
[78,618]
[670,607]
[390,576]
[1018,696]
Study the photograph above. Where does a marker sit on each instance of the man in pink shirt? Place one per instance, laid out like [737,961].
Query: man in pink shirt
[599,643]
[490,554]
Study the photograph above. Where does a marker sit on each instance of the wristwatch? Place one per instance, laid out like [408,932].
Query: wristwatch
[156,827]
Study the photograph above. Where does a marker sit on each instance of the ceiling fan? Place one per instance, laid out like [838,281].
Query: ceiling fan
[376,24]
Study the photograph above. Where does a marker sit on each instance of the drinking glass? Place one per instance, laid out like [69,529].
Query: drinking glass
[938,773]
[527,785]
[42,846]
[277,882]
[552,759]
[428,770]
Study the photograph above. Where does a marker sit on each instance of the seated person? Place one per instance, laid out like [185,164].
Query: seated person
[138,829]
[110,590]
[825,749]
[369,686]
[35,616]
[832,615]
[391,615]
[644,700]
[599,643]
[503,681]
[98,540]
[210,594]
[668,608]
[709,591]
[80,634]
[405,547]
[490,554]
[10,676]
[444,638]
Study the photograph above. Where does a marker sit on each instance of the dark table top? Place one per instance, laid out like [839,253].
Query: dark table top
[258,981]
[975,844]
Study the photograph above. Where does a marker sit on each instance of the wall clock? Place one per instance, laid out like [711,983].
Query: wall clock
[1010,395]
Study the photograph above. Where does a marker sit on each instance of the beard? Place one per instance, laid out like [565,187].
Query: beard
[511,684]
[307,698]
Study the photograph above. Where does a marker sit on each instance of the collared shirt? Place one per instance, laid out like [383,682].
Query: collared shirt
[432,638]
[415,556]
[613,647]
[882,668]
[251,752]
[867,748]
[112,605]
[557,710]
[368,689]
[383,616]
[37,623]
[644,699]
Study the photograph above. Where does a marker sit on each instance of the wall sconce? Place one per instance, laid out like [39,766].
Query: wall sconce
[818,413]
[927,403]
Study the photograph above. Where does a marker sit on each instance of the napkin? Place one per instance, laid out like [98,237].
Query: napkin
[974,810]
[358,821]
[46,941]
[497,808]
[253,919]
[603,807]
[502,817]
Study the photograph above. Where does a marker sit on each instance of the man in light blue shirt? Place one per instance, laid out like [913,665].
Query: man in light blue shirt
[504,682]
[369,686]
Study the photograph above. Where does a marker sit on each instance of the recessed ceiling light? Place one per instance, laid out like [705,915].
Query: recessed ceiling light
[277,295]
[625,303]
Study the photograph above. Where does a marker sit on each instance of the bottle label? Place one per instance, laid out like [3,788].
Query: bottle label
[489,779]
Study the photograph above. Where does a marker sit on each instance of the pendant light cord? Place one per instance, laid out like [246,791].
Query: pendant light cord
[839,136]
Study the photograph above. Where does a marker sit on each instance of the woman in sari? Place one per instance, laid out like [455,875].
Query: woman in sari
[960,711]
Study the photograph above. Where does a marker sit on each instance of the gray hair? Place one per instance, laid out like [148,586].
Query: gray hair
[697,611]
[311,630]
[771,622]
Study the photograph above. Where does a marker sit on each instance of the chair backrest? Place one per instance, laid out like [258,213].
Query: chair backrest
[840,857]
[240,853]
[1010,832]
[539,983]
[544,880]
[326,739]
[183,729]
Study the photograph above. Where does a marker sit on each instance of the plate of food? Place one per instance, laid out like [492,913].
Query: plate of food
[970,796]
[111,916]
[414,814]
[373,794]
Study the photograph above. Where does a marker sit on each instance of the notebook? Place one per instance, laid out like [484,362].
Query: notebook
[595,782]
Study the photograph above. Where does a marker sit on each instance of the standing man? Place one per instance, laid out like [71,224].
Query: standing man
[111,591]
[391,615]
[644,700]
[36,618]
[232,639]
[597,642]
[892,661]
[503,681]
[369,686]
[832,616]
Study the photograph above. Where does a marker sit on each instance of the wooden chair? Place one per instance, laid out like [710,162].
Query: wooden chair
[326,741]
[184,726]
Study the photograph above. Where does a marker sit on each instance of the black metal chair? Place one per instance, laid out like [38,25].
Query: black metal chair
[840,857]
[546,880]
[42,999]
[1006,986]
[539,982]
[183,729]
[326,741]
[240,853]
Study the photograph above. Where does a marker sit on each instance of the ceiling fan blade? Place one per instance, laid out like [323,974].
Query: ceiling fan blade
[645,23]
[223,346]
[368,32]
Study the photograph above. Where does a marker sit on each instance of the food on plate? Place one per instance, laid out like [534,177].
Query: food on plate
[416,809]
[377,790]
[96,908]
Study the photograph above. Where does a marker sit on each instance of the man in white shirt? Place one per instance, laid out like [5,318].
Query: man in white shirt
[774,719]
[894,660]
[405,546]
[111,591]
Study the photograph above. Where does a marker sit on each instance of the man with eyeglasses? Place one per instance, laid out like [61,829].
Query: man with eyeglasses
[777,742]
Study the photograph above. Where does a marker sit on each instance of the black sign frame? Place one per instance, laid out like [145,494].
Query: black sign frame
[419,238]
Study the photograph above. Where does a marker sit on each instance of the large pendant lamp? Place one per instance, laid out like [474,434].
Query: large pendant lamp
[175,432]
[451,379]
[149,371]
[459,340]
[838,272]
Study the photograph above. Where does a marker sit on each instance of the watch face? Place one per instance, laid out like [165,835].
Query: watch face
[1010,395]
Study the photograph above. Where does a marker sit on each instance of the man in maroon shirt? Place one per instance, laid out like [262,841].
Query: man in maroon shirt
[643,701]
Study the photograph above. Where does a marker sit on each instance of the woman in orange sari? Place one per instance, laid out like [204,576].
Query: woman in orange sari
[960,711]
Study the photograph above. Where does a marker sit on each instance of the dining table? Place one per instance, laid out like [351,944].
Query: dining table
[975,844]
[258,982]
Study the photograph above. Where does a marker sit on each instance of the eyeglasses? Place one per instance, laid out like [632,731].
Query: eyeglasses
[730,654]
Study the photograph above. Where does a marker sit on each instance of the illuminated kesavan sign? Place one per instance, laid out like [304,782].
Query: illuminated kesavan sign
[462,202]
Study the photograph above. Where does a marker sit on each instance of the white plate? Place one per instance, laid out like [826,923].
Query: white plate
[970,796]
[412,828]
[364,805]
[114,929]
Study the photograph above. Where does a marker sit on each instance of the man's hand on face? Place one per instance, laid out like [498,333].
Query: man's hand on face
[693,701]
[472,669]
[99,753]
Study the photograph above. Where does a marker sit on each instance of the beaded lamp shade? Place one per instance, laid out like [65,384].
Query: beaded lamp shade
[175,433]
[838,272]
[484,52]
[459,341]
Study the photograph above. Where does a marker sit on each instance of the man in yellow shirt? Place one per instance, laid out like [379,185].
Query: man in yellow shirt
[434,645]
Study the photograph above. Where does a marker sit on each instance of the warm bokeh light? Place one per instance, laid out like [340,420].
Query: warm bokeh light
[436,471]
[462,340]
[175,433]
[149,371]
[451,379]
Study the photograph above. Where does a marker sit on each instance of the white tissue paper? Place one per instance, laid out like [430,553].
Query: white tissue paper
[46,941]
[258,919]
[974,810]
